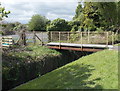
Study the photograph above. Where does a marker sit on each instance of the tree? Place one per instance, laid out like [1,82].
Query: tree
[78,11]
[109,12]
[38,23]
[19,26]
[58,25]
[3,13]
[95,15]
[118,17]
[87,16]
[7,28]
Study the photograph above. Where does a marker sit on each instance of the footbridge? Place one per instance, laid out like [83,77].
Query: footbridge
[81,41]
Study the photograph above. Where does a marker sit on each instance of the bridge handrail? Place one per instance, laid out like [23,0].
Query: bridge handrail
[108,36]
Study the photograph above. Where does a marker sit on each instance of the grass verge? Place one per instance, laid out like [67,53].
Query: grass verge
[96,71]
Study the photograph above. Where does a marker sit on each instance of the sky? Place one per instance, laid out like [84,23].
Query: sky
[23,10]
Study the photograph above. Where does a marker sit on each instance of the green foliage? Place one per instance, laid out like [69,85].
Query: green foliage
[96,71]
[3,13]
[74,28]
[92,16]
[24,65]
[88,16]
[74,25]
[78,11]
[58,25]
[88,23]
[73,37]
[1,32]
[11,28]
[109,12]
[118,13]
[99,30]
[98,14]
[38,23]
[19,26]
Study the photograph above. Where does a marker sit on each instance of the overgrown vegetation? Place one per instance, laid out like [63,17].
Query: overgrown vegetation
[23,64]
[96,71]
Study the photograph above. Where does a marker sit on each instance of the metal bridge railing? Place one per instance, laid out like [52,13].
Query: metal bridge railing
[106,38]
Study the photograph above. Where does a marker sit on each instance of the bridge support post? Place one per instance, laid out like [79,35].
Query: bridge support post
[112,38]
[51,36]
[68,37]
[88,36]
[81,40]
[59,40]
[107,38]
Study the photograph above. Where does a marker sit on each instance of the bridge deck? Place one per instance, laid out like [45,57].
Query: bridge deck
[79,45]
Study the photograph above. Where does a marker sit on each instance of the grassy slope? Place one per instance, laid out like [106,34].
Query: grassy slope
[96,71]
[25,63]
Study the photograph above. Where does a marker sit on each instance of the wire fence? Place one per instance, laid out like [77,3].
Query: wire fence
[24,38]
[107,38]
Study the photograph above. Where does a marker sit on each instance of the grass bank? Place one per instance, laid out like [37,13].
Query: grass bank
[23,64]
[20,65]
[96,71]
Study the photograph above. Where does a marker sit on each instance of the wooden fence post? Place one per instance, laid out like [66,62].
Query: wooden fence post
[106,38]
[112,38]
[59,40]
[23,38]
[34,39]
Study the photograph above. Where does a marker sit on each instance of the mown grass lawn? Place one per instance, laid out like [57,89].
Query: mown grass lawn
[96,71]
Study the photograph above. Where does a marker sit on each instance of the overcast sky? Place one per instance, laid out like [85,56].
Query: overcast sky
[22,10]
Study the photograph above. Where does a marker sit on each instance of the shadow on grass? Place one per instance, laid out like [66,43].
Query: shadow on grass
[77,77]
